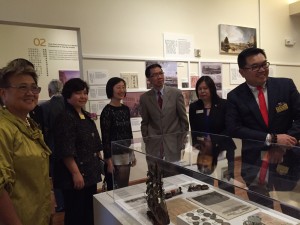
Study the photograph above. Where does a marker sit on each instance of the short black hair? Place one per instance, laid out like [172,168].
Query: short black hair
[242,57]
[110,85]
[211,86]
[73,85]
[147,71]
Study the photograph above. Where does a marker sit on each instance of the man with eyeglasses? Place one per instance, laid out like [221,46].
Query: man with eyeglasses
[164,120]
[267,110]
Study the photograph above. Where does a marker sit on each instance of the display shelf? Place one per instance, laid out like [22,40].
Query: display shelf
[190,159]
[209,208]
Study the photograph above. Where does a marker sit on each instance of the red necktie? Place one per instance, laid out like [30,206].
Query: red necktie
[263,105]
[264,169]
[159,99]
[264,113]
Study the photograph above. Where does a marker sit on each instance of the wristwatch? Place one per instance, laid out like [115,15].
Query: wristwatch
[271,138]
[268,140]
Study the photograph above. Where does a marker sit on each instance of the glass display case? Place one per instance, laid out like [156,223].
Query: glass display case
[200,178]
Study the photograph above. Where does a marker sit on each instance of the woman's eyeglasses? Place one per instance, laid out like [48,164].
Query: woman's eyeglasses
[24,88]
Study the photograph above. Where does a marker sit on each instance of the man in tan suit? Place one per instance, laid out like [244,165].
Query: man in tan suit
[164,121]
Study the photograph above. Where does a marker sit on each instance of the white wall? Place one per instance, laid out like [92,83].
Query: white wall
[114,30]
[134,27]
[276,26]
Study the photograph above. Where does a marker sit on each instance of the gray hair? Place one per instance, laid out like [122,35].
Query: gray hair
[55,86]
[17,67]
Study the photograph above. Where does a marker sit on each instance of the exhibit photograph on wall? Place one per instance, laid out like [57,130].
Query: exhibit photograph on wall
[178,46]
[214,70]
[97,106]
[235,76]
[170,72]
[65,75]
[189,97]
[97,92]
[131,80]
[97,77]
[194,78]
[234,39]
[132,100]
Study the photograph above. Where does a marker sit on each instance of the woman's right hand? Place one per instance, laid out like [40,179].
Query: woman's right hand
[76,175]
[110,166]
[78,181]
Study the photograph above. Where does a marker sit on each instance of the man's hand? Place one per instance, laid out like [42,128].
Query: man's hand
[287,140]
[276,154]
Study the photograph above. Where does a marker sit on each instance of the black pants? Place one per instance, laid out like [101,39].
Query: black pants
[79,206]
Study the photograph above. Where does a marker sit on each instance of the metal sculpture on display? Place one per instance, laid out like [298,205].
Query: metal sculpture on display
[158,211]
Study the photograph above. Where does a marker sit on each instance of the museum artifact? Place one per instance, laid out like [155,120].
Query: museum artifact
[173,193]
[197,187]
[158,211]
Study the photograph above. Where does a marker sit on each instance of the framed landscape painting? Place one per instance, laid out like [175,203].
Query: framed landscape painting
[234,39]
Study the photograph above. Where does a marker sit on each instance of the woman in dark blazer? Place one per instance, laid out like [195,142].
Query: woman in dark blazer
[207,121]
[77,168]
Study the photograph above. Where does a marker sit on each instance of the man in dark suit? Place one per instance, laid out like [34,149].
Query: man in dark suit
[164,120]
[45,115]
[268,110]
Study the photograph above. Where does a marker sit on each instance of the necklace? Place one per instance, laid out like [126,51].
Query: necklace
[27,122]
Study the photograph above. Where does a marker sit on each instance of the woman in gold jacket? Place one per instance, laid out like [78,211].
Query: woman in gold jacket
[24,156]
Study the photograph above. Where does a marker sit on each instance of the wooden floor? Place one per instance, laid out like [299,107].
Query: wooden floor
[58,219]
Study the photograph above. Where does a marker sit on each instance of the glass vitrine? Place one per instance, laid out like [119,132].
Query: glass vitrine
[200,178]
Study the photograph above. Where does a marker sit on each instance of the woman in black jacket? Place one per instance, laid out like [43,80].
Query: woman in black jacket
[77,168]
[207,121]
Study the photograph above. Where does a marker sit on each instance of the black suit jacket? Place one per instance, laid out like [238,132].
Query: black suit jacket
[244,120]
[45,115]
[51,109]
[216,123]
[215,127]
[37,115]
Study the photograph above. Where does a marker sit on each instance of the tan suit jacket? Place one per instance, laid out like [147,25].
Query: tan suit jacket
[165,127]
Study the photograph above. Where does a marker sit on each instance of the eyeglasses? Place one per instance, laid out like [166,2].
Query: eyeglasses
[24,88]
[256,68]
[155,75]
